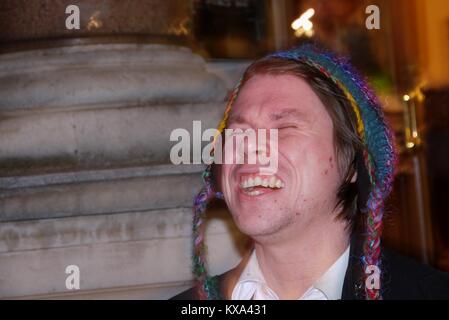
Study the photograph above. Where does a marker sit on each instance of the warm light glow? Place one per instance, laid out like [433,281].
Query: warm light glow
[94,21]
[410,145]
[308,25]
[298,23]
[303,25]
[406,97]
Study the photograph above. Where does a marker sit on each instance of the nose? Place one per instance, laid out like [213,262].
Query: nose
[257,148]
[250,147]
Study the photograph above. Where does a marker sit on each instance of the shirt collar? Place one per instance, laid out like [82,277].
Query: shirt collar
[330,283]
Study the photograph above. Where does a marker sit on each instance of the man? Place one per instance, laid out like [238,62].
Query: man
[315,221]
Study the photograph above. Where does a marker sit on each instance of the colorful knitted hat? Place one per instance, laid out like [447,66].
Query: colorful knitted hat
[379,158]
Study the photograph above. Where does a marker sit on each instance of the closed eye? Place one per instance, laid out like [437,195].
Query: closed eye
[232,132]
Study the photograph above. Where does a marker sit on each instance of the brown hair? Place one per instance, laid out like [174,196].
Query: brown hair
[348,145]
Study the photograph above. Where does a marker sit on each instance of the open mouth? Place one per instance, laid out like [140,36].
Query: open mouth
[255,185]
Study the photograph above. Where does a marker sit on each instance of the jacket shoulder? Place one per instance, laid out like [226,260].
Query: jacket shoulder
[409,279]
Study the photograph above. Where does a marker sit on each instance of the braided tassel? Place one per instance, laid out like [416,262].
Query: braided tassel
[206,286]
[371,247]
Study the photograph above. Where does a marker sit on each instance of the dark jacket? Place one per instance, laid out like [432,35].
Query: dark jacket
[402,279]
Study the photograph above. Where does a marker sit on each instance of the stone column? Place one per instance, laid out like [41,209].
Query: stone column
[85,175]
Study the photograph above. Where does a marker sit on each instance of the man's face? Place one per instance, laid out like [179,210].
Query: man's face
[307,168]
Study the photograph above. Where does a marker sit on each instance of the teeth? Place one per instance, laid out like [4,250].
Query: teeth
[271,182]
[254,193]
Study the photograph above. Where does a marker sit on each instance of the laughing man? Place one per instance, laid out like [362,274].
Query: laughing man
[316,221]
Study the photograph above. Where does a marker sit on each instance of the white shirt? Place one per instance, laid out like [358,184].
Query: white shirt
[252,284]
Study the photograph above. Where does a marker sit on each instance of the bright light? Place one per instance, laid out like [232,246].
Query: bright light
[303,25]
[406,97]
[308,25]
[298,23]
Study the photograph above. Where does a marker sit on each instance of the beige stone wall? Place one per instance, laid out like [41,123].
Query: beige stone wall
[86,178]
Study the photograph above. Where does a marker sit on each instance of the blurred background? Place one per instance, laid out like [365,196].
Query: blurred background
[86,115]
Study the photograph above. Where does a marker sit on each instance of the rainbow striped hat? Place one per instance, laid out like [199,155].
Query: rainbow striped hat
[379,157]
